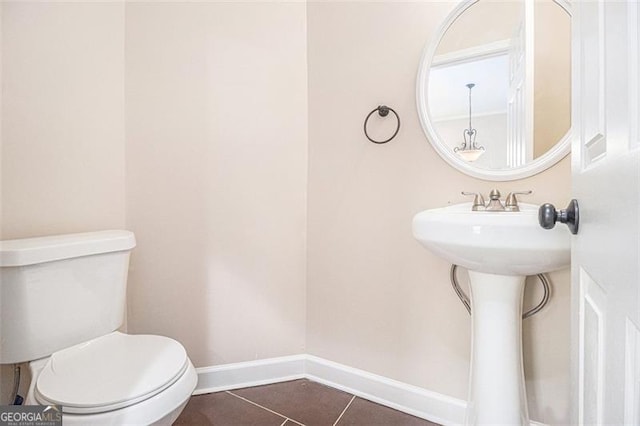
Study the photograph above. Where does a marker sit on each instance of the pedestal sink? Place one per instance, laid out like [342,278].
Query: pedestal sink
[499,249]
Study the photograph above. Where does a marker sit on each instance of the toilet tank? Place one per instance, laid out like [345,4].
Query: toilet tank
[61,290]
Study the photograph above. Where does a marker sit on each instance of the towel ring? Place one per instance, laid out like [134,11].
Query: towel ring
[383,111]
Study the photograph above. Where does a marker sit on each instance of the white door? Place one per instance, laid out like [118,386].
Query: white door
[606,183]
[520,95]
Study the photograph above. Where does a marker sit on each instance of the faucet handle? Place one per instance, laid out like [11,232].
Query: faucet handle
[511,203]
[478,200]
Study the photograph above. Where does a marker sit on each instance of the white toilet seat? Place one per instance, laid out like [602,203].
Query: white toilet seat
[110,372]
[116,379]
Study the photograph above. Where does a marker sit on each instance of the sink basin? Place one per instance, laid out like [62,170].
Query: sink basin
[499,249]
[505,243]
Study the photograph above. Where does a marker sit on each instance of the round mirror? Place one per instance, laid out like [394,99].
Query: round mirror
[494,87]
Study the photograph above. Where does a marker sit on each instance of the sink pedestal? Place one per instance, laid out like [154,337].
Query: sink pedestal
[496,391]
[498,249]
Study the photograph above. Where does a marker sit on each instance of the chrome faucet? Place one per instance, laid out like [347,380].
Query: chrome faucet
[495,205]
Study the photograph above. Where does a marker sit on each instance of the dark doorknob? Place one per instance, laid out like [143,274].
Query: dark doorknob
[548,216]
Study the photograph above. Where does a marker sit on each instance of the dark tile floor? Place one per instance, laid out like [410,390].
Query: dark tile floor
[299,402]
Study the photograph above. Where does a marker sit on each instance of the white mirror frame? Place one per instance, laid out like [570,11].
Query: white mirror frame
[548,159]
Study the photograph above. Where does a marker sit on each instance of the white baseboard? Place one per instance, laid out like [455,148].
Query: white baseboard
[251,373]
[401,396]
[410,399]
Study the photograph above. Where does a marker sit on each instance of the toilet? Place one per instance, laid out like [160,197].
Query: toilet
[62,300]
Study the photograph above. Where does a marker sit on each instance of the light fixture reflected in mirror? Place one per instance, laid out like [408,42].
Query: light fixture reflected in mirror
[469,150]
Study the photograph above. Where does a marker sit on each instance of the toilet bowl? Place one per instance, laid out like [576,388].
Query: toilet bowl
[117,379]
[65,298]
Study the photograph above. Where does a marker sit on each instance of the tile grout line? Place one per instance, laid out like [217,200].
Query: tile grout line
[344,411]
[285,422]
[264,408]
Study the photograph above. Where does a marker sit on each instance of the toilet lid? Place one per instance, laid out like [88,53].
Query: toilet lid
[110,372]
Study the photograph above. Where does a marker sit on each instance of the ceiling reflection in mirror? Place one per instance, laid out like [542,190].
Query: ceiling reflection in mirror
[517,56]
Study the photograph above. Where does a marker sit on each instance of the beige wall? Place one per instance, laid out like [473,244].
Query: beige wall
[62,117]
[216,176]
[376,299]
